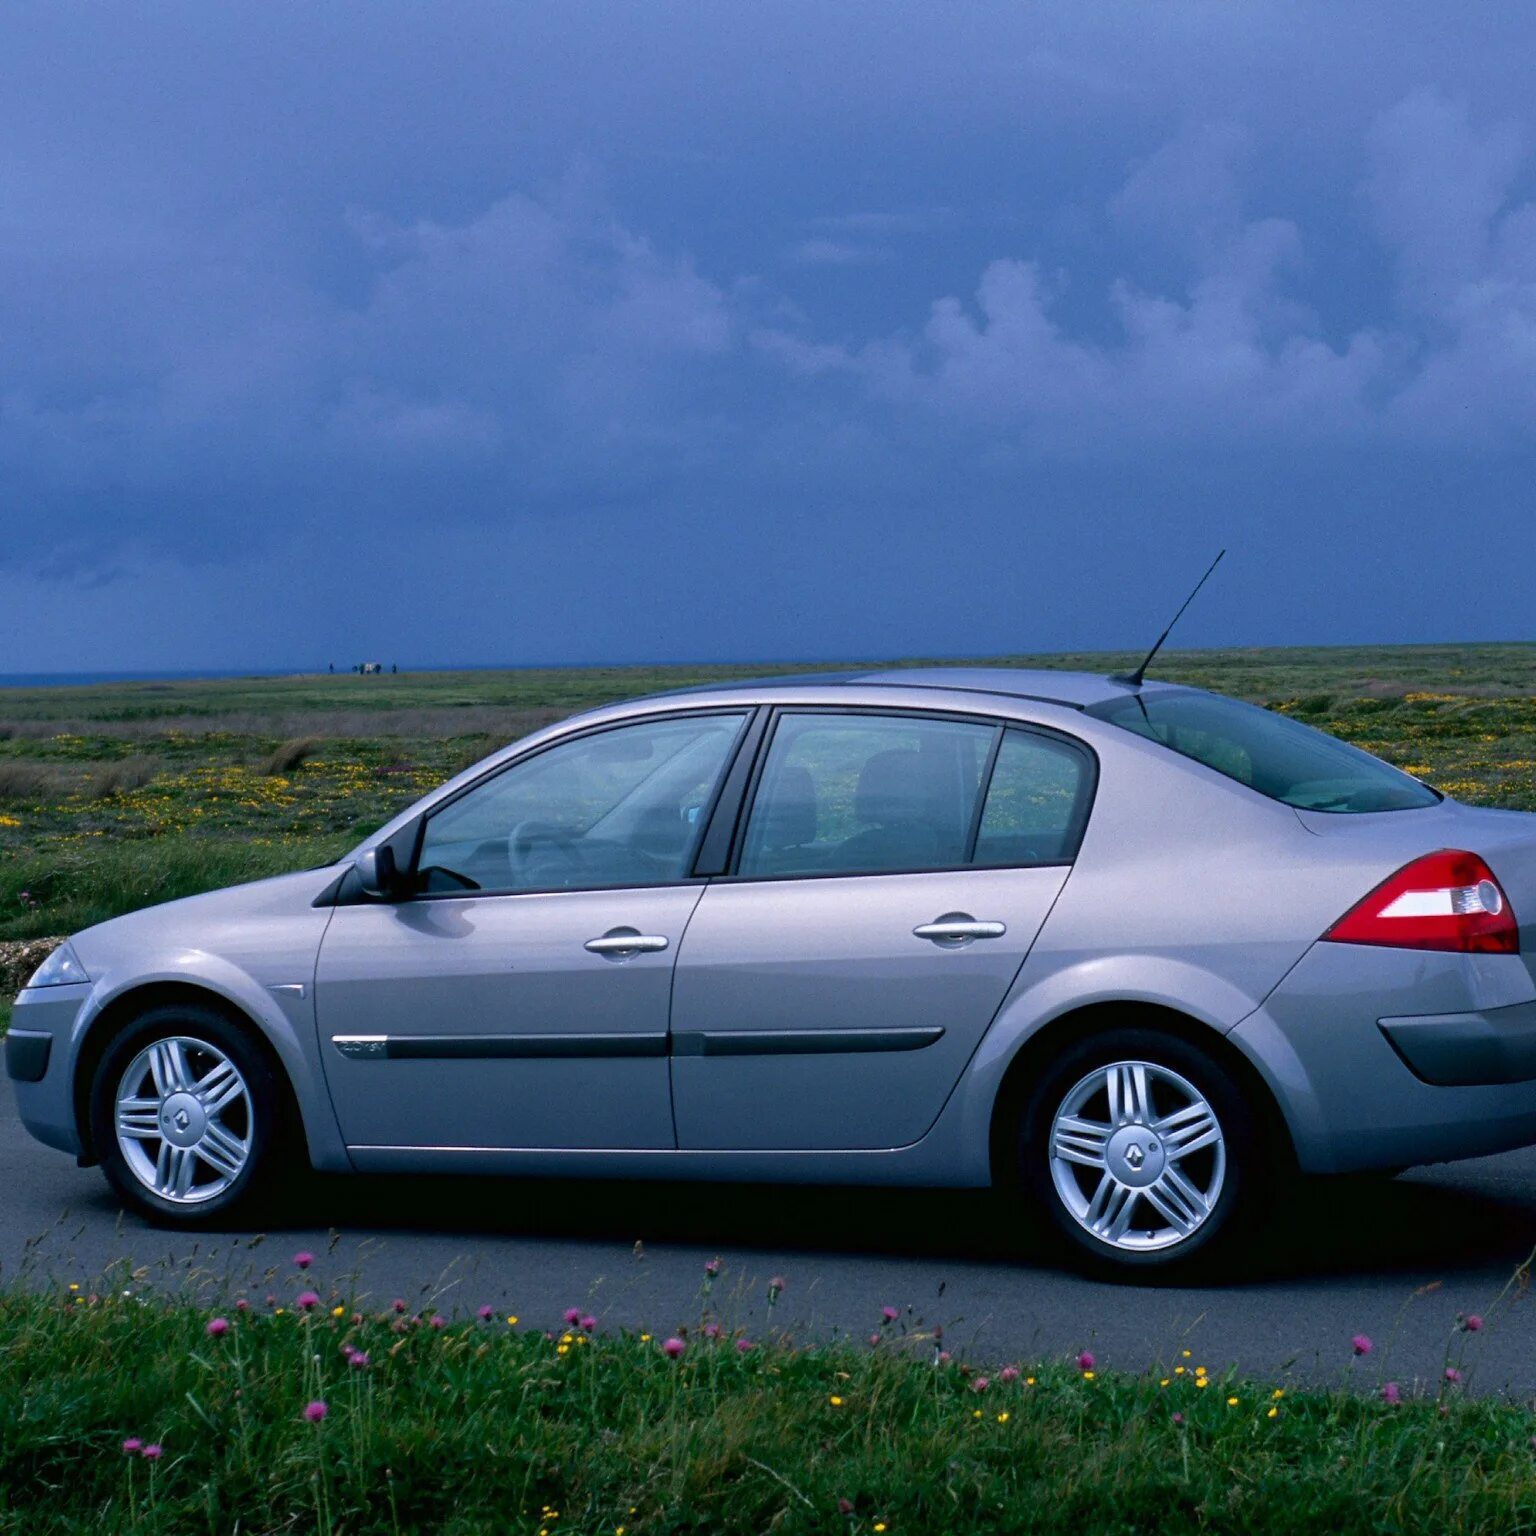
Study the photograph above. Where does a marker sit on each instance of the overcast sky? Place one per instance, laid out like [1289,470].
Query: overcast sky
[603,330]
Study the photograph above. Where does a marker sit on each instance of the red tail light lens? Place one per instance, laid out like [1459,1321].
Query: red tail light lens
[1447,900]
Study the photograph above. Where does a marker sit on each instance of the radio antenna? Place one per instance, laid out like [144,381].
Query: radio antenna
[1134,679]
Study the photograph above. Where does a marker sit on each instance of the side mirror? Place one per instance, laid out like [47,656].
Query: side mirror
[378,874]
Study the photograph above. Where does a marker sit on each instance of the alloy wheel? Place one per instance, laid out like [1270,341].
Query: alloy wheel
[1137,1156]
[182,1117]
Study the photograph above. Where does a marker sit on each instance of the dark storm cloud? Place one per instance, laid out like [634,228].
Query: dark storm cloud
[681,278]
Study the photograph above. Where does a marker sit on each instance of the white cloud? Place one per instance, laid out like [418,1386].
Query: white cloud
[541,341]
[1237,356]
[822,252]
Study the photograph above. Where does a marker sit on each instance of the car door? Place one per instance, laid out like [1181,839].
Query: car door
[892,872]
[519,998]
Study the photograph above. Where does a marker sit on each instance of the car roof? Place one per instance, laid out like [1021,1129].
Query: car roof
[1075,690]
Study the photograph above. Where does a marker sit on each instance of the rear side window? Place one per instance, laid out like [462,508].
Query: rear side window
[865,794]
[1277,756]
[1037,802]
[880,794]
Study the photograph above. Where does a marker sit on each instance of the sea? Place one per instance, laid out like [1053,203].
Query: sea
[82,679]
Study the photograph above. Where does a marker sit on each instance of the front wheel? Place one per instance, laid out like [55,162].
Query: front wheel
[1141,1150]
[185,1114]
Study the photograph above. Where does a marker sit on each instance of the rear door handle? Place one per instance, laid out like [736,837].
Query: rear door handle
[956,928]
[618,943]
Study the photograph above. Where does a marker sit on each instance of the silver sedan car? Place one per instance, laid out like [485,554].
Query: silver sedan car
[1128,952]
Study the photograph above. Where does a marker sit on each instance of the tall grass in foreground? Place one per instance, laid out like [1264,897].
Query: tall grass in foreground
[124,1413]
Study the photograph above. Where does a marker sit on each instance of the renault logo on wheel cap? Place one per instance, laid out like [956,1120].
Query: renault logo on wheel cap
[183,1120]
[1134,1156]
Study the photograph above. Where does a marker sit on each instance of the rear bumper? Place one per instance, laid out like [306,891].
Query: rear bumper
[1383,1058]
[1453,1050]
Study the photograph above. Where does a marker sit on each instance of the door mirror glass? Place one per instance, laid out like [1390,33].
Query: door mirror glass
[622,807]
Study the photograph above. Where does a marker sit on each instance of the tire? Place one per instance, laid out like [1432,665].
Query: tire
[1087,1186]
[200,1156]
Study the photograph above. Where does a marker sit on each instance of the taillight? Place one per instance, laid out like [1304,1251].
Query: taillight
[1446,900]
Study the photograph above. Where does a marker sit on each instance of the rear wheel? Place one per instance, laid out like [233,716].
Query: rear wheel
[1142,1152]
[186,1115]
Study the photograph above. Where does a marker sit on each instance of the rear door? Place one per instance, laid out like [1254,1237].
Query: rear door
[892,871]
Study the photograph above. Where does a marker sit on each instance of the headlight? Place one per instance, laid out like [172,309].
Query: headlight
[60,969]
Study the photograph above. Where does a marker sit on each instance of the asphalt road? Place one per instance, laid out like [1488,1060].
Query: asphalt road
[1344,1257]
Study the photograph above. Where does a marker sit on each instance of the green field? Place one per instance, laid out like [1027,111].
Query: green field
[115,796]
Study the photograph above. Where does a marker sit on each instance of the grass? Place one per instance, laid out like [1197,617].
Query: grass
[497,1425]
[118,794]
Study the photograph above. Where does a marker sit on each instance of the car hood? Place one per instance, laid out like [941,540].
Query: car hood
[216,922]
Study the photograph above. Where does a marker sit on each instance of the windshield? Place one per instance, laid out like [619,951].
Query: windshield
[1277,756]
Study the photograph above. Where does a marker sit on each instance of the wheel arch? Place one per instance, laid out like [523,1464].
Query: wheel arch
[1097,1017]
[122,1009]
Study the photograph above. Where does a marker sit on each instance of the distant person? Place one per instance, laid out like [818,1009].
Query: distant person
[330,666]
[394,667]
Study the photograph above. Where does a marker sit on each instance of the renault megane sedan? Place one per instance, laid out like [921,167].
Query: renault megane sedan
[1127,952]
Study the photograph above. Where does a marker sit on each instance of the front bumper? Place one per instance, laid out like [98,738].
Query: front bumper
[40,1062]
[1384,1058]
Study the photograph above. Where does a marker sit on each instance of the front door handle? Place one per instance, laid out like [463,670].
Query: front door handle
[957,928]
[619,943]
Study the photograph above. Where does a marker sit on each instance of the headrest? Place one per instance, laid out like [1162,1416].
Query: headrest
[895,787]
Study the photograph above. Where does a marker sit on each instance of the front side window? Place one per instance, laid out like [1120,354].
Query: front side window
[1277,756]
[618,807]
[864,794]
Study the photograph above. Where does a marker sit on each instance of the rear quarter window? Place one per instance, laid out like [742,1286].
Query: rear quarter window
[1037,802]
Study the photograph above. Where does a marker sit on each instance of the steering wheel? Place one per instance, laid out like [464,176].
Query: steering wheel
[543,853]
